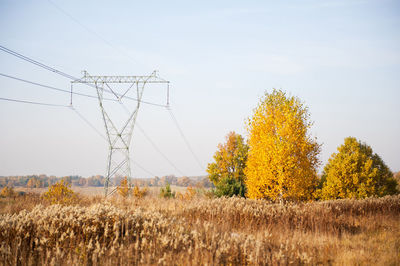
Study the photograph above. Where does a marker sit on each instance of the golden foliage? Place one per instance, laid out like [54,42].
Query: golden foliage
[7,192]
[123,189]
[396,177]
[189,194]
[356,172]
[139,193]
[34,183]
[283,158]
[60,193]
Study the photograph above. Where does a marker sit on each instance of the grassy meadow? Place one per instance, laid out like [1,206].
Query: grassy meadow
[198,231]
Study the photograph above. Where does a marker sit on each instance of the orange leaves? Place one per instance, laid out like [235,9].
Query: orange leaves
[227,172]
[230,159]
[283,158]
[125,190]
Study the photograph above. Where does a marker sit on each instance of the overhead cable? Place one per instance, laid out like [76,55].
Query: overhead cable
[25,58]
[184,138]
[96,34]
[141,167]
[102,136]
[88,123]
[152,143]
[158,150]
[4,49]
[30,102]
[54,88]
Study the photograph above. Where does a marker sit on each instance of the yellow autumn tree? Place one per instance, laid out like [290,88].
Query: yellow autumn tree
[60,193]
[283,157]
[124,189]
[356,172]
[8,192]
[34,183]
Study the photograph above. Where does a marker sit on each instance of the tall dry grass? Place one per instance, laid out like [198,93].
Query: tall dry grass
[151,230]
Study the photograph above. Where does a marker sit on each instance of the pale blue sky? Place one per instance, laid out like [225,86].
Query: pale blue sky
[342,58]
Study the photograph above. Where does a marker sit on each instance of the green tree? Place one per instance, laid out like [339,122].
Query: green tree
[228,186]
[166,192]
[283,157]
[227,172]
[356,172]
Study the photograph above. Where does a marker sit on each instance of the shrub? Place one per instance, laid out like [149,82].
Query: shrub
[7,192]
[396,177]
[189,194]
[60,193]
[123,189]
[230,187]
[139,193]
[165,192]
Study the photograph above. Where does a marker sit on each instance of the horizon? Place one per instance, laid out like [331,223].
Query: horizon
[51,176]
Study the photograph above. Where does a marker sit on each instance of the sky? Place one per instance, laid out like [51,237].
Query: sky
[341,58]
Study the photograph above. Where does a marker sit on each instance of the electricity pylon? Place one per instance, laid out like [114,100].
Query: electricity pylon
[118,162]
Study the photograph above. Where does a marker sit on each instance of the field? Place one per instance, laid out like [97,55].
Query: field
[96,191]
[199,231]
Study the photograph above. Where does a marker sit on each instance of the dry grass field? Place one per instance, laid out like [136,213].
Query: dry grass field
[96,191]
[199,231]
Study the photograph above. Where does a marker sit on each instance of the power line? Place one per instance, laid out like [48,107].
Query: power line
[54,88]
[103,137]
[89,124]
[51,69]
[102,39]
[152,143]
[158,150]
[2,48]
[184,138]
[80,115]
[30,102]
[144,169]
[96,34]
[25,58]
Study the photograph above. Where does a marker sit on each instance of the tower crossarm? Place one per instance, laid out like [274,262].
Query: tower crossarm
[153,78]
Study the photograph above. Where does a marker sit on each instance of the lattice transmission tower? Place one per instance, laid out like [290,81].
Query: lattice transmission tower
[119,138]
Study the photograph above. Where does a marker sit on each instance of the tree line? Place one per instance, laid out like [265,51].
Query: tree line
[41,181]
[280,159]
